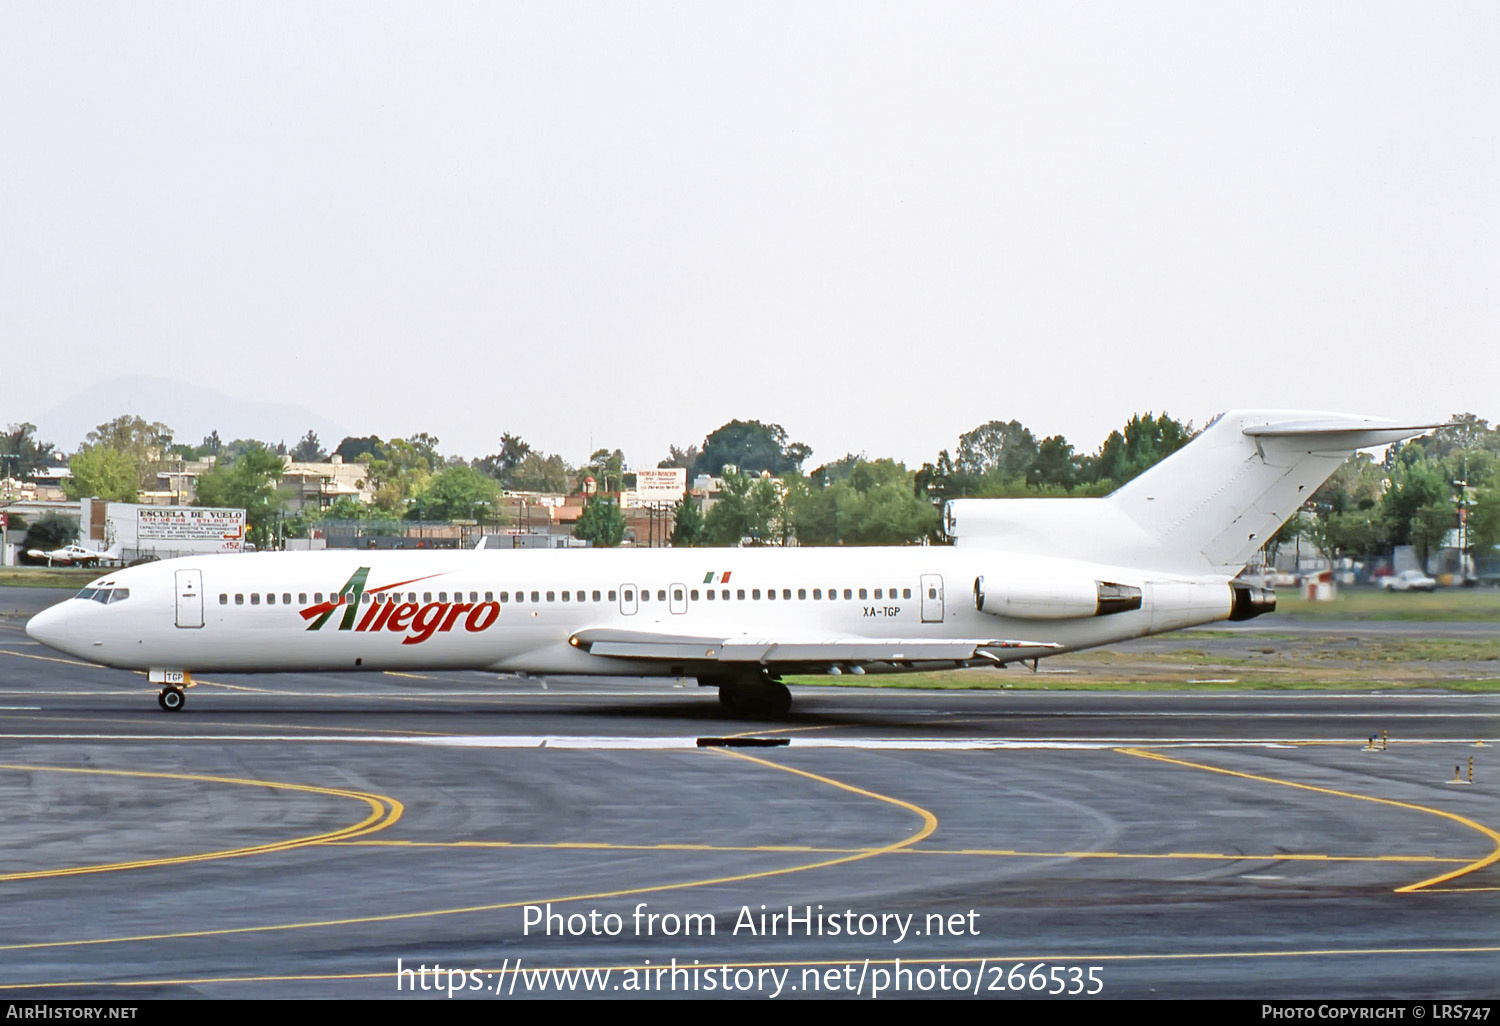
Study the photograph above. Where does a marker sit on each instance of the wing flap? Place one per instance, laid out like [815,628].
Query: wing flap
[641,645]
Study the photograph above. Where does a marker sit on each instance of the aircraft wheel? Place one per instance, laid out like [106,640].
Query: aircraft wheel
[778,700]
[756,696]
[171,699]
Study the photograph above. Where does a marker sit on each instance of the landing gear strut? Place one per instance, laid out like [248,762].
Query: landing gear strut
[171,699]
[751,694]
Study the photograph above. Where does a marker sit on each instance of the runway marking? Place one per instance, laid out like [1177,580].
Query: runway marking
[585,742]
[1490,859]
[998,852]
[51,659]
[383,812]
[413,676]
[993,960]
[929,824]
[219,723]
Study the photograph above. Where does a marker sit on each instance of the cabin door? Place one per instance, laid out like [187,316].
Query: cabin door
[932,598]
[190,598]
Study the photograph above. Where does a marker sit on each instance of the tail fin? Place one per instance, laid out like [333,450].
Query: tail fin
[1206,509]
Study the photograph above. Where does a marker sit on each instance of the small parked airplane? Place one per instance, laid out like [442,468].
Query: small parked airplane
[75,555]
[1025,579]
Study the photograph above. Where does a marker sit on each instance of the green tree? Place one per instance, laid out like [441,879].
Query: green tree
[1145,441]
[248,483]
[51,531]
[143,442]
[752,447]
[1418,490]
[747,510]
[309,450]
[1003,446]
[1056,464]
[21,454]
[687,525]
[456,493]
[601,523]
[101,472]
[538,473]
[607,469]
[351,448]
[502,465]
[876,503]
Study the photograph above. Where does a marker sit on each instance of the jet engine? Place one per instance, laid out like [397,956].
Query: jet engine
[1052,598]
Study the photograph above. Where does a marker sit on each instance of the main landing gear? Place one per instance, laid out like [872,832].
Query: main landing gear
[172,699]
[758,694]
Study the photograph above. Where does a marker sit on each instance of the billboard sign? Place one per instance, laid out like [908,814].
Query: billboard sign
[662,484]
[196,530]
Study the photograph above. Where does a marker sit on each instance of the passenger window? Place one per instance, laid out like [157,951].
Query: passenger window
[740,594]
[676,594]
[906,593]
[489,596]
[301,598]
[286,598]
[317,597]
[802,593]
[223,599]
[271,599]
[645,595]
[755,593]
[365,598]
[255,598]
[551,596]
[426,596]
[596,596]
[693,594]
[504,596]
[877,593]
[629,595]
[661,594]
[818,593]
[770,593]
[612,596]
[725,595]
[932,593]
[848,594]
[536,596]
[786,593]
[710,594]
[863,593]
[566,596]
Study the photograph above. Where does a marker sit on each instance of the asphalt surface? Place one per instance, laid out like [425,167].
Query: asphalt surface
[302,835]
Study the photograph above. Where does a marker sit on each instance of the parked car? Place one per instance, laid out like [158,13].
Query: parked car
[1408,580]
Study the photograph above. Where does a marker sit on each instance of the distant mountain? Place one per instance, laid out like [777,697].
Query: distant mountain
[191,411]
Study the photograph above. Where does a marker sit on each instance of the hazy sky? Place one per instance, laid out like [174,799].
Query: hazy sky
[876,224]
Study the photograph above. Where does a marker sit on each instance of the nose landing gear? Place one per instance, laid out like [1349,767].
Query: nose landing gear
[171,699]
[173,695]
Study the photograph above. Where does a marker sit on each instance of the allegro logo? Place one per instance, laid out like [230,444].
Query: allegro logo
[423,621]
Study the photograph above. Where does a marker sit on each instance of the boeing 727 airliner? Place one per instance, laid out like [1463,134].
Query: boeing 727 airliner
[1025,579]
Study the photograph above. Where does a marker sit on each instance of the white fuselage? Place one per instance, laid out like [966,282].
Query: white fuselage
[520,610]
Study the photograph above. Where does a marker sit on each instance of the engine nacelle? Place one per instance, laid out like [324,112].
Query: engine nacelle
[1052,598]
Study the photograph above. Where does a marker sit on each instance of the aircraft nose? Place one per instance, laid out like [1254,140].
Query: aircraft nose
[50,627]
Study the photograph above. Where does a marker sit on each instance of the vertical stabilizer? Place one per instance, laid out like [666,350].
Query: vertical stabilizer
[1206,509]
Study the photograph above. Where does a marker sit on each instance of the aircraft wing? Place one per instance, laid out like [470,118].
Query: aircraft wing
[620,644]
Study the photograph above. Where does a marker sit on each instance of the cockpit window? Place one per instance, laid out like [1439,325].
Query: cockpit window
[104,596]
